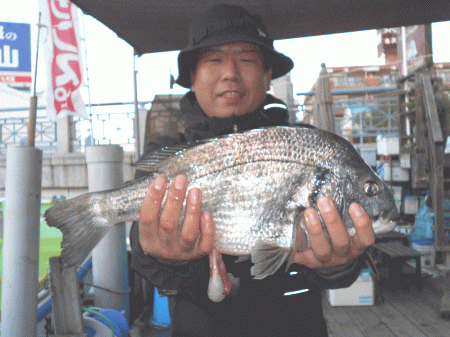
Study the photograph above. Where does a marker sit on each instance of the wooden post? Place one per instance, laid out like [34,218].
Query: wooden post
[33,99]
[445,301]
[64,287]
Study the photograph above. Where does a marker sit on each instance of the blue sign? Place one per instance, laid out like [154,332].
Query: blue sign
[15,47]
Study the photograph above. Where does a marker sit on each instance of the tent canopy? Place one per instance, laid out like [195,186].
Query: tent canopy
[162,25]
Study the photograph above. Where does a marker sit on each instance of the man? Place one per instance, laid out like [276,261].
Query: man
[228,66]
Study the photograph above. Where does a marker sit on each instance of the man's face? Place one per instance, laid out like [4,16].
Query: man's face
[230,79]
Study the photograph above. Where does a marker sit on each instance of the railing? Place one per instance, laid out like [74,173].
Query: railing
[109,128]
[13,131]
[361,119]
[358,119]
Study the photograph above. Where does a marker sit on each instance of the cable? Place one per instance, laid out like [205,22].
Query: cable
[106,289]
[107,320]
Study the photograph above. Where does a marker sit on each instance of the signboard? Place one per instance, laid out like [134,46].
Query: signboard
[387,38]
[15,53]
[417,48]
[63,59]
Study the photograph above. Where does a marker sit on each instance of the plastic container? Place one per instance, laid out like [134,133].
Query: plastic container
[387,145]
[398,173]
[427,252]
[360,293]
[424,220]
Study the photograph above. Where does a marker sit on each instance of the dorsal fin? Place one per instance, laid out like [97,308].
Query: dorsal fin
[150,161]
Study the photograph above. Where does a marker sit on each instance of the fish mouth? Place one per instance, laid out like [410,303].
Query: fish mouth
[381,226]
[386,222]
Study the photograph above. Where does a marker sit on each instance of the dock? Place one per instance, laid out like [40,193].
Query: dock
[402,312]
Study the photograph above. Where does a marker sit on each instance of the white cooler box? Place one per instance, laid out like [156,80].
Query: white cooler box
[359,293]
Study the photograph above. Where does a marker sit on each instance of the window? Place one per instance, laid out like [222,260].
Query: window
[388,79]
[445,75]
[347,81]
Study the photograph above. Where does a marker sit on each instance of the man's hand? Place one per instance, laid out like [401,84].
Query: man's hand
[160,233]
[342,248]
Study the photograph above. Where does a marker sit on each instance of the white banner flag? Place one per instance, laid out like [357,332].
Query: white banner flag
[63,58]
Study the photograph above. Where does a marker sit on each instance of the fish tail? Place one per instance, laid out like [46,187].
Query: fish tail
[81,224]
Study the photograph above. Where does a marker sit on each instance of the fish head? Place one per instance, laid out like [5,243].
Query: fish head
[374,195]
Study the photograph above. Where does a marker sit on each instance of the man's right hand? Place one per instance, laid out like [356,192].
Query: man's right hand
[160,232]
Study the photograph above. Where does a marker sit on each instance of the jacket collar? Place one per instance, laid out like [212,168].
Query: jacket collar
[200,126]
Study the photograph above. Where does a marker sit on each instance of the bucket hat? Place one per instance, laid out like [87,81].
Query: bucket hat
[225,24]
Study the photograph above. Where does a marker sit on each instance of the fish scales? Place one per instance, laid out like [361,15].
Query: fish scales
[242,217]
[242,148]
[256,184]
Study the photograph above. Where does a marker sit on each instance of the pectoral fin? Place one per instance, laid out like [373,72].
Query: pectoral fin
[267,258]
[301,241]
[243,258]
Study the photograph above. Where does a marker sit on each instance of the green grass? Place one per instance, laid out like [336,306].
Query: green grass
[49,245]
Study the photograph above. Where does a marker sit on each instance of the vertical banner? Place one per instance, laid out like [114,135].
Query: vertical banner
[15,53]
[63,59]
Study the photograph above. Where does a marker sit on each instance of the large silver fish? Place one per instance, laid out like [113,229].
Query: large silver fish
[256,185]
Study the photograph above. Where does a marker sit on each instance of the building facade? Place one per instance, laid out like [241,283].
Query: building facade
[365,98]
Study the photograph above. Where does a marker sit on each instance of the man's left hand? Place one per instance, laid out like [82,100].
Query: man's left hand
[343,248]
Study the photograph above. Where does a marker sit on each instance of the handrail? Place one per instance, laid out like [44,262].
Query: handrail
[436,161]
[431,109]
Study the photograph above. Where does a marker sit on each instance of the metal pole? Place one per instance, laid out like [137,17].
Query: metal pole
[33,98]
[91,134]
[21,241]
[109,258]
[404,61]
[136,112]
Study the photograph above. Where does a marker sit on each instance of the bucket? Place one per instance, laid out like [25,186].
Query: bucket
[427,252]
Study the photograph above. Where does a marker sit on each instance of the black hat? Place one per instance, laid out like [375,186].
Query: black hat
[224,24]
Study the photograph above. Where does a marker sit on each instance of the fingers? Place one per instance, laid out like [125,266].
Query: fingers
[207,238]
[191,230]
[340,239]
[151,205]
[365,235]
[169,223]
[161,233]
[149,214]
[339,248]
[324,250]
[319,242]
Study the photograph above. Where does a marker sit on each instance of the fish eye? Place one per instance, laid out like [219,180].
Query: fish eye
[371,188]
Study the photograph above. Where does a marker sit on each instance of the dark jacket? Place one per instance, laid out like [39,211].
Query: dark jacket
[260,306]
